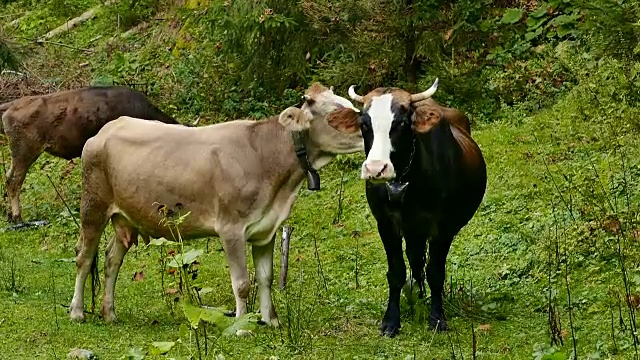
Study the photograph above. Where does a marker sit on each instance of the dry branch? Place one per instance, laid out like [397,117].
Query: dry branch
[17,21]
[89,14]
[284,260]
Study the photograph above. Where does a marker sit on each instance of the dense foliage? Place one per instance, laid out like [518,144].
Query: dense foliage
[489,55]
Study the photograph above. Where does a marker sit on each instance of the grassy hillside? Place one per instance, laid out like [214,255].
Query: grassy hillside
[552,253]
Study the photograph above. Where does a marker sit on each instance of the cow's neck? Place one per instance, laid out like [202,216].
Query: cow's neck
[275,136]
[300,144]
[437,153]
[321,134]
[317,157]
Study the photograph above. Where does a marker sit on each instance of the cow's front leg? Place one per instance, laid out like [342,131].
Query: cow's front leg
[22,157]
[392,241]
[234,248]
[416,254]
[263,262]
[438,250]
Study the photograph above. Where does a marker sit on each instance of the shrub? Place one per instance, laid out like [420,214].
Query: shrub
[132,12]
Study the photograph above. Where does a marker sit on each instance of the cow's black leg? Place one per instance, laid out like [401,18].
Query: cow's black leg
[416,254]
[396,275]
[438,250]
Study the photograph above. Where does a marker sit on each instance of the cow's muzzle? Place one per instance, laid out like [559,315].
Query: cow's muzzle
[378,171]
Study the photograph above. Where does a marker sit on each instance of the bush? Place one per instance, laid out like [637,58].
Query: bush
[129,13]
[9,57]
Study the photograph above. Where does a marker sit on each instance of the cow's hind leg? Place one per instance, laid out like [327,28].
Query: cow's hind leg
[263,261]
[22,157]
[86,249]
[235,251]
[438,251]
[125,236]
[396,275]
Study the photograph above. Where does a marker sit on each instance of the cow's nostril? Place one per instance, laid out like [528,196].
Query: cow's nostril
[381,170]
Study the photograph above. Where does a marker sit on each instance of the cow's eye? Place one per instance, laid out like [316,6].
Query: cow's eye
[364,123]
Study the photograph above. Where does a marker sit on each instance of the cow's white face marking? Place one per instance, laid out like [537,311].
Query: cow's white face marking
[381,119]
[378,166]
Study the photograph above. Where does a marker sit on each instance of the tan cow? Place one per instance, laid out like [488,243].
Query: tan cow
[60,124]
[237,179]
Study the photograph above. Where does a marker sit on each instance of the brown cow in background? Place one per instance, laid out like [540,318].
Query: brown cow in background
[60,124]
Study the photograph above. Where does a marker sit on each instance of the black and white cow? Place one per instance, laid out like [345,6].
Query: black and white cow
[425,178]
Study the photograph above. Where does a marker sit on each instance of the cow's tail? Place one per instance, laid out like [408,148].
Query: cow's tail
[95,281]
[157,114]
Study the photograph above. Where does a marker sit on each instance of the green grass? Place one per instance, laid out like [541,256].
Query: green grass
[498,268]
[556,178]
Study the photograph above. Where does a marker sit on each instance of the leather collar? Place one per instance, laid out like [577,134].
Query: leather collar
[300,139]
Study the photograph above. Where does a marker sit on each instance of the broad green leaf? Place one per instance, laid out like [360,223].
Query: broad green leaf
[205,290]
[564,19]
[540,12]
[533,23]
[211,315]
[192,313]
[184,331]
[555,356]
[532,35]
[185,259]
[161,241]
[511,16]
[134,354]
[192,255]
[246,322]
[564,30]
[161,347]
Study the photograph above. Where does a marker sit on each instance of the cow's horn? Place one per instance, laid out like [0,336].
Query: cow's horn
[354,96]
[425,94]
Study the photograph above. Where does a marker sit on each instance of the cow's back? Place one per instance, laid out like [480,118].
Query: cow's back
[213,172]
[62,122]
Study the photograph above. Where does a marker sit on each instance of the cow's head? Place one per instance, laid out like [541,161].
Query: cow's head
[321,105]
[389,123]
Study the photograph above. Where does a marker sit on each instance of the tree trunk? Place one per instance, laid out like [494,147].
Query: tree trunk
[411,63]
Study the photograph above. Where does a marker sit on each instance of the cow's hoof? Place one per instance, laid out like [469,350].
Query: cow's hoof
[438,324]
[77,316]
[271,322]
[389,330]
[17,219]
[109,317]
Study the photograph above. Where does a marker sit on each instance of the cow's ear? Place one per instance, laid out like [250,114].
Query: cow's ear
[345,120]
[425,118]
[294,119]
